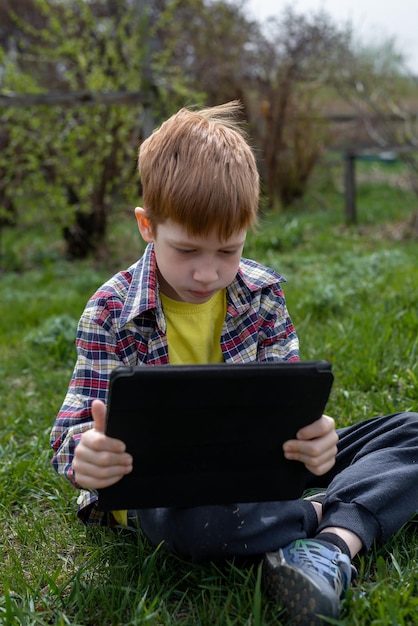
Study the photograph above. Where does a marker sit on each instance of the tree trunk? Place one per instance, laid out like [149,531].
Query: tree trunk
[88,230]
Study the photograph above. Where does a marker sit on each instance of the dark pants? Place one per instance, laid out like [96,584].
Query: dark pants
[372,490]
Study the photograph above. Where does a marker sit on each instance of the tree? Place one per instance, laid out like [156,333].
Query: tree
[296,61]
[214,45]
[76,160]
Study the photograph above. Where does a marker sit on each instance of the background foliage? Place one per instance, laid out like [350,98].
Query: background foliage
[70,165]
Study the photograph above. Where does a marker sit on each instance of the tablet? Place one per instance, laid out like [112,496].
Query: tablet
[212,434]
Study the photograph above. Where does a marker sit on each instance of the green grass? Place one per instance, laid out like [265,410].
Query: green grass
[353,296]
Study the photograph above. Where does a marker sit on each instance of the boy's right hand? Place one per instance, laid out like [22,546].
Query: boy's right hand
[99,460]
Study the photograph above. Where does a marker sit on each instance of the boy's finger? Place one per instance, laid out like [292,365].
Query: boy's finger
[98,411]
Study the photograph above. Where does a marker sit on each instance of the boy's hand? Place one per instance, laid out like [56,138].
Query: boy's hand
[99,460]
[315,446]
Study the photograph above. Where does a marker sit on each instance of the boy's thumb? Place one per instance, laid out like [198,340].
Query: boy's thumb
[98,411]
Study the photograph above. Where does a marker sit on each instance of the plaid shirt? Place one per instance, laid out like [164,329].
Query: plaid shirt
[123,324]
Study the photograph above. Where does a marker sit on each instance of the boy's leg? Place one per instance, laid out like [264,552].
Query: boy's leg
[372,492]
[220,532]
[373,488]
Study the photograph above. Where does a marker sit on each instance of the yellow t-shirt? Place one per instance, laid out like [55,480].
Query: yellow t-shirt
[194,330]
[193,335]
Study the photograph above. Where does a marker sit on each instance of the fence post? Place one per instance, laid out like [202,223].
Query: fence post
[350,188]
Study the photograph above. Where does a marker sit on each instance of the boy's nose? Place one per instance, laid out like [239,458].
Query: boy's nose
[206,273]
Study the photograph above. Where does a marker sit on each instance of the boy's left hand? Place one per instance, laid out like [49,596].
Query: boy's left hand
[315,446]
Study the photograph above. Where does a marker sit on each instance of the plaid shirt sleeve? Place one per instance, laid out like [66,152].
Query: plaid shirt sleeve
[100,348]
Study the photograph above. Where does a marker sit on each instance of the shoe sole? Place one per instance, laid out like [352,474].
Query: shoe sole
[301,598]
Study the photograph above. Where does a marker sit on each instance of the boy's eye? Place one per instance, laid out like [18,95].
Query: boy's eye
[184,251]
[193,251]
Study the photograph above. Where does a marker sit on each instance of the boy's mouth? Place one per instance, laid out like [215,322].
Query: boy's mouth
[201,294]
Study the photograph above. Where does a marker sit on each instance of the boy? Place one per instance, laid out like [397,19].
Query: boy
[192,298]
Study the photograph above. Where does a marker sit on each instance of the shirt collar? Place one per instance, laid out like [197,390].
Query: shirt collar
[143,294]
[251,277]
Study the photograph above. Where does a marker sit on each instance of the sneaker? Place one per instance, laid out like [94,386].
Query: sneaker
[315,496]
[309,578]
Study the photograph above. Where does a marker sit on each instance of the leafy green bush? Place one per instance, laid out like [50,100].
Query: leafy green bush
[54,339]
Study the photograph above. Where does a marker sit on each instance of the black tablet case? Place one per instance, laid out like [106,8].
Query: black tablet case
[212,434]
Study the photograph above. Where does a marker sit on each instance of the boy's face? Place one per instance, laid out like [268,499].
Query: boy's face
[191,268]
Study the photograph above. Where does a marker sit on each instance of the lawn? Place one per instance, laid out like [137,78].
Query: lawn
[353,296]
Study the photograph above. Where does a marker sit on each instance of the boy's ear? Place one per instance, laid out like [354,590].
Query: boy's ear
[143,225]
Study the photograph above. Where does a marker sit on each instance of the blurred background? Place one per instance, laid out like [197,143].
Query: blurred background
[82,83]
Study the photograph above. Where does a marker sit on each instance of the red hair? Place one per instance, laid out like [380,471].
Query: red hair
[198,170]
